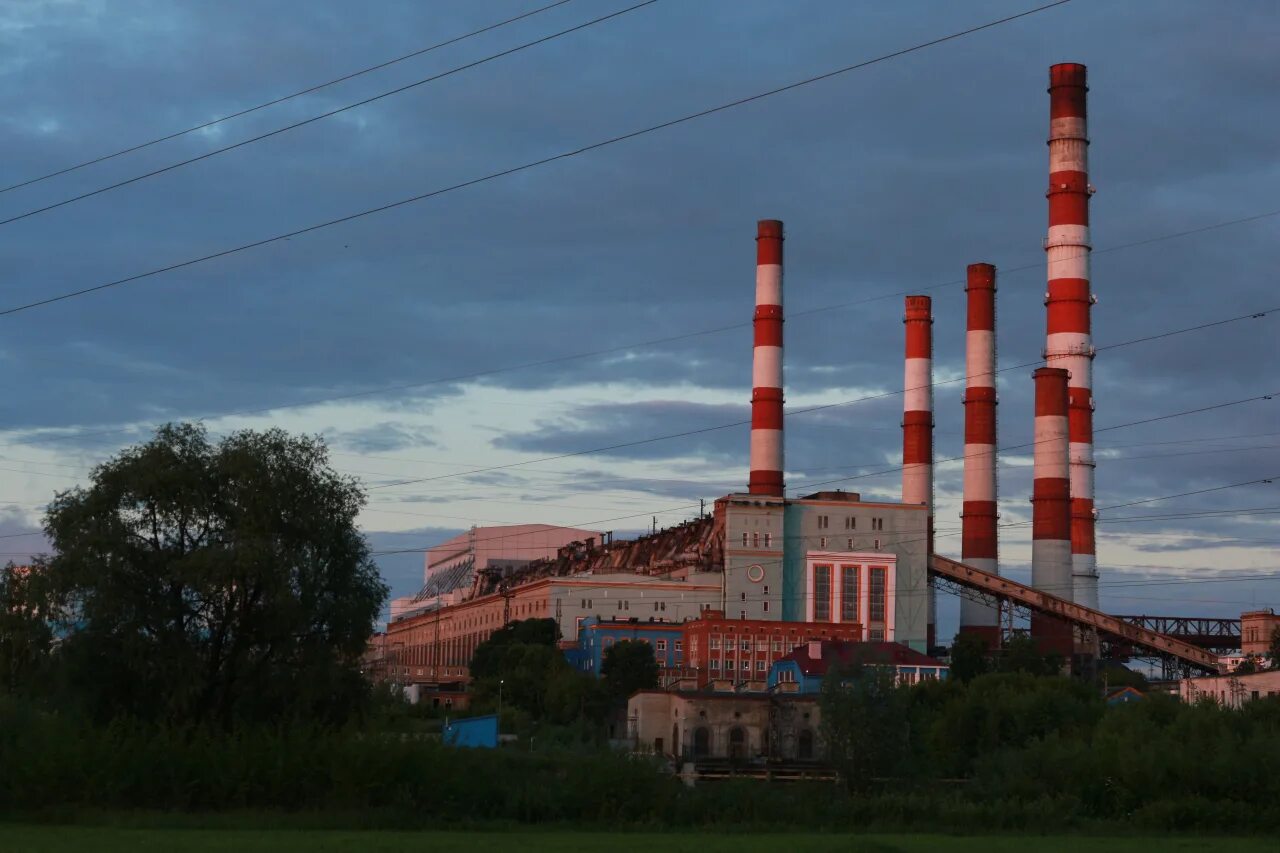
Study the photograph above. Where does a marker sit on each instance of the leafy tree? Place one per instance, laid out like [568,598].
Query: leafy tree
[1021,654]
[214,583]
[865,721]
[1273,652]
[629,666]
[487,659]
[1247,666]
[25,635]
[969,657]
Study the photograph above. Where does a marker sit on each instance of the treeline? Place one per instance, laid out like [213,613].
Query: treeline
[1002,752]
[1016,737]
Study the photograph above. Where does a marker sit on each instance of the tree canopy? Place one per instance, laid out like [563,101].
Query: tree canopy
[629,666]
[201,582]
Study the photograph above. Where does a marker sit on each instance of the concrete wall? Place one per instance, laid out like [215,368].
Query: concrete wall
[659,720]
[1231,691]
[521,543]
[754,572]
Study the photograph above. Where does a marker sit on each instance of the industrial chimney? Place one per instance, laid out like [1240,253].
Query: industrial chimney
[1051,507]
[917,420]
[766,373]
[978,546]
[1068,342]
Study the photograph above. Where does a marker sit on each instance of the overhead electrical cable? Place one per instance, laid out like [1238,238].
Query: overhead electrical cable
[811,409]
[304,122]
[564,155]
[280,100]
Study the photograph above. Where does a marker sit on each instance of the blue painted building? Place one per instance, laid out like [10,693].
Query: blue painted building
[596,636]
[472,732]
[803,670]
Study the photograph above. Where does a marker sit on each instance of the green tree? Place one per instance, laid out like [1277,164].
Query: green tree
[969,657]
[487,659]
[214,583]
[1022,654]
[629,666]
[25,635]
[865,721]
[1273,652]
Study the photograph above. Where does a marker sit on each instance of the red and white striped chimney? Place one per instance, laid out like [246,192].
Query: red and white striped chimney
[1068,342]
[766,372]
[1051,506]
[978,546]
[917,422]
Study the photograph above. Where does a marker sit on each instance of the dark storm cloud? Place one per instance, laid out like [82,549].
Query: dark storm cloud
[660,226]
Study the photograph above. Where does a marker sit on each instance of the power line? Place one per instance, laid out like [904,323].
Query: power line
[589,525]
[208,154]
[655,342]
[283,98]
[564,155]
[825,406]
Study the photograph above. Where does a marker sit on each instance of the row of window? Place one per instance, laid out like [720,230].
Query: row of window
[623,604]
[755,540]
[850,523]
[823,600]
[761,665]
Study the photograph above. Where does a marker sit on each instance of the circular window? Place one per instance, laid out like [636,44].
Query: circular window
[755,573]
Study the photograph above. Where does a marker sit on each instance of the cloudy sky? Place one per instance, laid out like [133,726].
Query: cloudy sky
[605,299]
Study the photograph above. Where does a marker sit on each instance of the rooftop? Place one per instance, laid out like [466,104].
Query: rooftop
[843,652]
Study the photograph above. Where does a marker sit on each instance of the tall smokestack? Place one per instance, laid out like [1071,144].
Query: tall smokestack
[917,420]
[766,373]
[1068,341]
[978,546]
[1051,506]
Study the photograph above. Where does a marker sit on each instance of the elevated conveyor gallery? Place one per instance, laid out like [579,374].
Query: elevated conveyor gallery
[1084,619]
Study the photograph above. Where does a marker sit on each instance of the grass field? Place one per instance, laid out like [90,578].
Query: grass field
[87,839]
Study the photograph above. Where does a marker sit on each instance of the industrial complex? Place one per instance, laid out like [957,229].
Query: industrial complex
[757,597]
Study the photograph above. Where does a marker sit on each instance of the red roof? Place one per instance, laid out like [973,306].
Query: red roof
[846,652]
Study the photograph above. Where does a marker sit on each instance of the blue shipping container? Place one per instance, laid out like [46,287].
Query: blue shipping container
[473,732]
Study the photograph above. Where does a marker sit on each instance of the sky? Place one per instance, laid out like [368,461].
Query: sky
[605,299]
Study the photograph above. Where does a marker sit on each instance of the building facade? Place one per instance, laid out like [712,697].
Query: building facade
[734,727]
[1256,629]
[804,669]
[830,557]
[741,651]
[1231,691]
[434,646]
[450,567]
[596,636]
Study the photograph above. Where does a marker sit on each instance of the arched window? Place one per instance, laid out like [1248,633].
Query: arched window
[737,743]
[701,742]
[804,745]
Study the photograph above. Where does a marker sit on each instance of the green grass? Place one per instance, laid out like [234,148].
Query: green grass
[88,839]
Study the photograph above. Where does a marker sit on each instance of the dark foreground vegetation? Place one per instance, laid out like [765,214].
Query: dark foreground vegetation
[192,647]
[1003,753]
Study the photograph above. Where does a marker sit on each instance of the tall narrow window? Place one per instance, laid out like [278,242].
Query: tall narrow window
[822,593]
[768,540]
[744,539]
[875,602]
[848,593]
[755,540]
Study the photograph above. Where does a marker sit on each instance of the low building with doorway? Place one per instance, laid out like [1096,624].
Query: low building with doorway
[1232,690]
[747,728]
